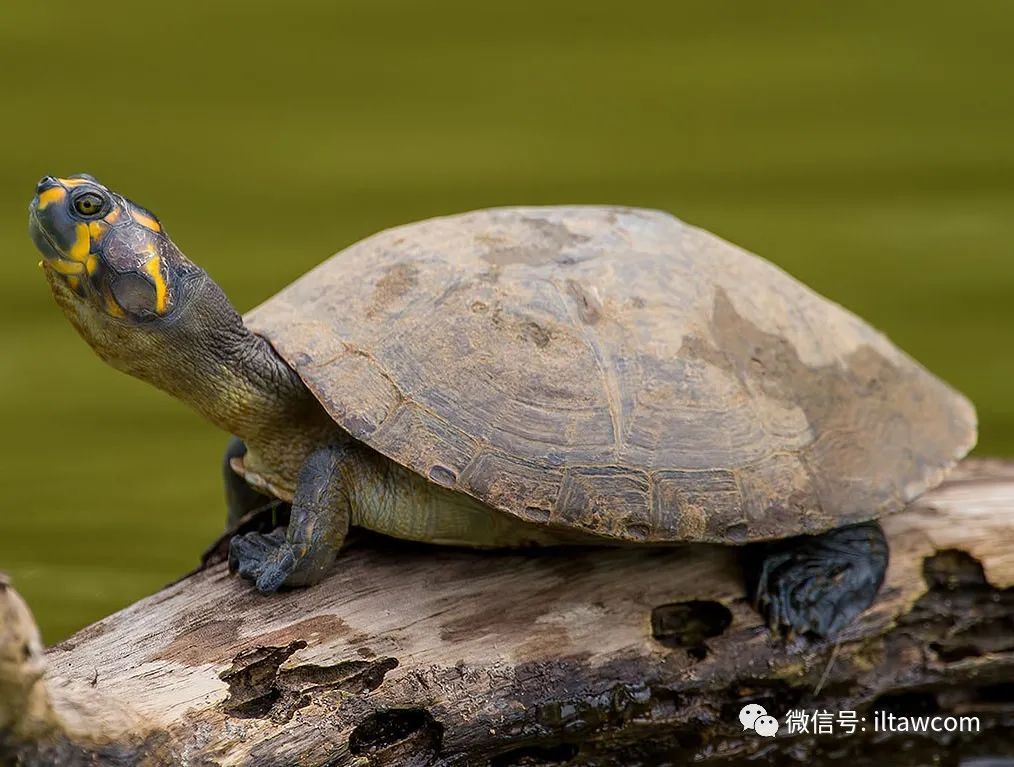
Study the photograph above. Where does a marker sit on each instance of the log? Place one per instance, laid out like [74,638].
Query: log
[414,655]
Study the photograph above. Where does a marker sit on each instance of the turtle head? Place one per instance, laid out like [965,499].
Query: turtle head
[107,258]
[149,311]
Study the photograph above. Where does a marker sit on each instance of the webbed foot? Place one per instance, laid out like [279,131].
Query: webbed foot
[817,585]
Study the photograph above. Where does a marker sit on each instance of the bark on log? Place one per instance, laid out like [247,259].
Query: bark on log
[421,656]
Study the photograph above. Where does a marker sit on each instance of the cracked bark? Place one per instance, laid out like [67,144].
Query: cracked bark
[421,656]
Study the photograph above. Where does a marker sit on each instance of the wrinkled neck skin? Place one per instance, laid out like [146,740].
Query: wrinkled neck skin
[205,356]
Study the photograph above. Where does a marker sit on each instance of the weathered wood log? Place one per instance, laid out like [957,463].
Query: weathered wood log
[411,655]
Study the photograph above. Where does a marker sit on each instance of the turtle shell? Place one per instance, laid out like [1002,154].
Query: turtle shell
[618,372]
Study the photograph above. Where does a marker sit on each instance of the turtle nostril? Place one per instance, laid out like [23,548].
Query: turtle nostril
[46,182]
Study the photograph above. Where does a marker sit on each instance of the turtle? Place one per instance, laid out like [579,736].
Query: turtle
[528,376]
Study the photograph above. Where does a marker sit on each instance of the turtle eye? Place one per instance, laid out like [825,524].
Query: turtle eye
[89,204]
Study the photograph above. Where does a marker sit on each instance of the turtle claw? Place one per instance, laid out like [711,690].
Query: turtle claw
[266,559]
[818,585]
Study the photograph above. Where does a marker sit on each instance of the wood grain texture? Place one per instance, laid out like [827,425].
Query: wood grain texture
[615,371]
[413,655]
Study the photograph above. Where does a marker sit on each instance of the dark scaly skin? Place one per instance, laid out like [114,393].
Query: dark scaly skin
[150,312]
[817,585]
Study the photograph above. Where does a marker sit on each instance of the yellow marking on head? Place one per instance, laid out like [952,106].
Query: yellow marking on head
[153,267]
[113,216]
[96,229]
[82,243]
[91,264]
[146,221]
[66,267]
[56,194]
[112,307]
[72,182]
[75,283]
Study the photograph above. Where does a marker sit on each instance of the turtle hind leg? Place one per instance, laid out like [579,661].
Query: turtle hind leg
[817,585]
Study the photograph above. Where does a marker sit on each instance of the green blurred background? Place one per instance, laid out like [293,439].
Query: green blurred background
[865,146]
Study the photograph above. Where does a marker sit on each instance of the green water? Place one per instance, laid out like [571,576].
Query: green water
[865,146]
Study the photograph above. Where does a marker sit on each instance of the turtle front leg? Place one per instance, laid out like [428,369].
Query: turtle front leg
[301,554]
[817,585]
